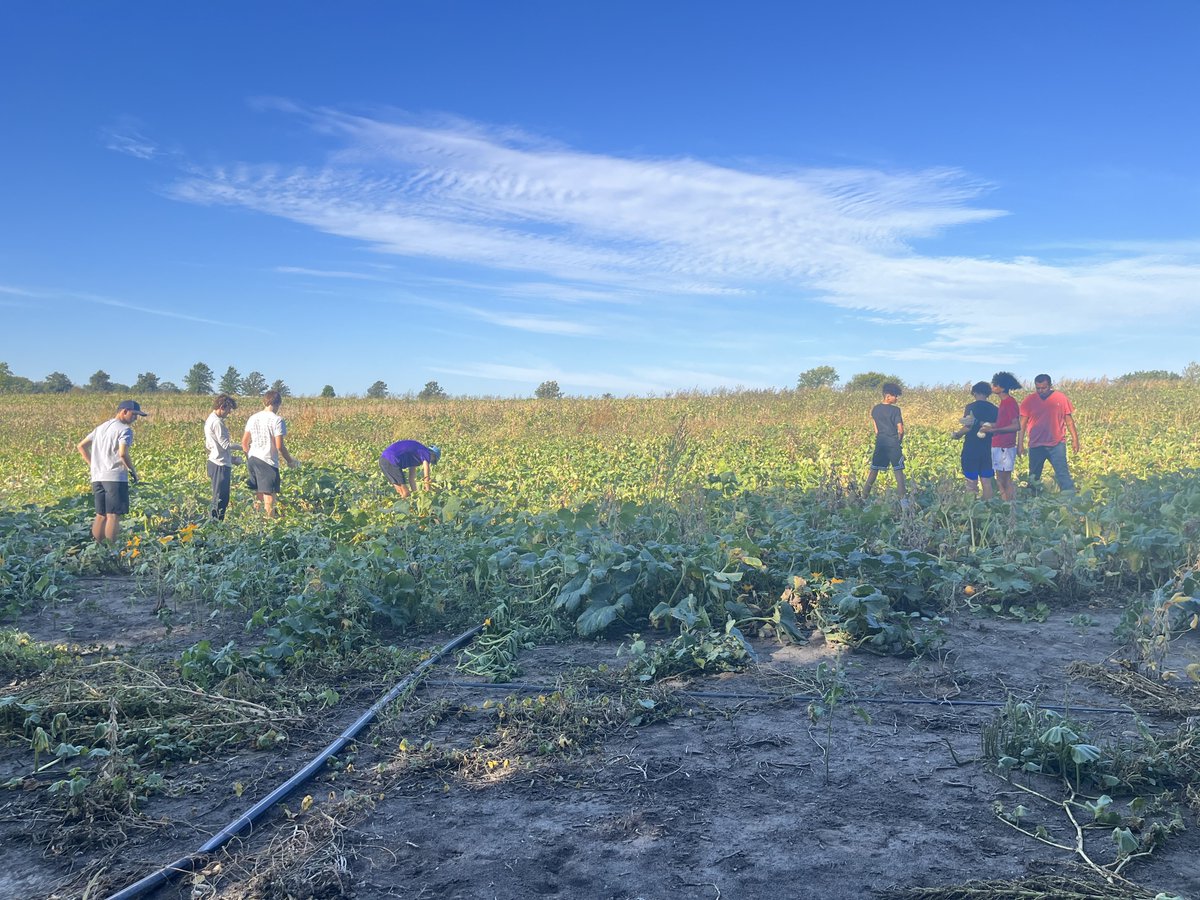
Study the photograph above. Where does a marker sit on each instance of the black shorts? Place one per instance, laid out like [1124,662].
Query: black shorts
[394,474]
[264,477]
[112,497]
[887,455]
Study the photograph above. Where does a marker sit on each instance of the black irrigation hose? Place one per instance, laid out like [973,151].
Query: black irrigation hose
[795,698]
[187,863]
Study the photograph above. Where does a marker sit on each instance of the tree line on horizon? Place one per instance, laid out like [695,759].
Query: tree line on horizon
[200,379]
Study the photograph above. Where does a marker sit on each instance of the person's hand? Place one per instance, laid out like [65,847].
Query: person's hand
[133,477]
[293,463]
[987,426]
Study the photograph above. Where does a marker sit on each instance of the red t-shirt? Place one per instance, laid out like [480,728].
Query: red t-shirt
[1009,413]
[1046,418]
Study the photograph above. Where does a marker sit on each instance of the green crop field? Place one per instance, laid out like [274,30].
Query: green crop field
[709,521]
[527,487]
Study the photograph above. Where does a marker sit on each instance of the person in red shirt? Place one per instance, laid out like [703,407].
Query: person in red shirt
[1044,416]
[1004,434]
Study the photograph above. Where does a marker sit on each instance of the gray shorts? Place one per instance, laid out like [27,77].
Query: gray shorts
[112,497]
[394,474]
[264,477]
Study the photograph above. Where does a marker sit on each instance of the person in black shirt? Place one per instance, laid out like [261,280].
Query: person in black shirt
[889,436]
[977,443]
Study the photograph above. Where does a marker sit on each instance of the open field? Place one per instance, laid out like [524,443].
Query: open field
[727,675]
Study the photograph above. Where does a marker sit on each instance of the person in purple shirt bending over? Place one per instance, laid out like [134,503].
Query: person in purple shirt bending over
[399,465]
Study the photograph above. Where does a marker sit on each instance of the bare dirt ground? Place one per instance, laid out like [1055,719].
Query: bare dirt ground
[727,797]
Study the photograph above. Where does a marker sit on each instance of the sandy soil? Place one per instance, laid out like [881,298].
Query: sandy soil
[727,798]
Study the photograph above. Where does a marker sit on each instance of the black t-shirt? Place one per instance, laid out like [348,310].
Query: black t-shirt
[975,447]
[887,419]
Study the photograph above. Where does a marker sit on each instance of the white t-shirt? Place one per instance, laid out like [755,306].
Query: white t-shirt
[106,450]
[264,426]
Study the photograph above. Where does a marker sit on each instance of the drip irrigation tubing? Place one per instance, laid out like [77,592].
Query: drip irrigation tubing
[522,687]
[188,863]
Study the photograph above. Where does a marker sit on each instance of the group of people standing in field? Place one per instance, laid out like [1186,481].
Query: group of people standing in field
[106,450]
[993,436]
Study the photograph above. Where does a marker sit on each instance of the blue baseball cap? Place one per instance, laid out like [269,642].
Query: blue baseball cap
[132,405]
[437,453]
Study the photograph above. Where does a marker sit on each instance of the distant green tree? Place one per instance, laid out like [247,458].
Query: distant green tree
[378,390]
[100,382]
[254,384]
[231,382]
[548,390]
[169,387]
[57,383]
[871,381]
[147,383]
[1191,371]
[327,391]
[14,384]
[278,385]
[432,391]
[818,377]
[199,379]
[1151,375]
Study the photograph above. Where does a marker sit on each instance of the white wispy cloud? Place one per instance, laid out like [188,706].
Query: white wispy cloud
[537,324]
[640,381]
[57,296]
[166,313]
[577,227]
[326,273]
[126,137]
[19,292]
[671,225]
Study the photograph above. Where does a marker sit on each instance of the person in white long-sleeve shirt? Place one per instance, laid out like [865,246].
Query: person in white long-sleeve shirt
[221,458]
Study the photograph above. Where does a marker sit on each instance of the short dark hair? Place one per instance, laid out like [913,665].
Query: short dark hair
[224,401]
[1042,378]
[890,387]
[1006,380]
[272,398]
[981,387]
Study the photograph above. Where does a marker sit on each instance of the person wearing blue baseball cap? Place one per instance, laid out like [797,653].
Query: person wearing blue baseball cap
[106,451]
[399,465]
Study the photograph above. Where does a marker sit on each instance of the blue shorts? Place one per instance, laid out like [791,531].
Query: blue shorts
[989,472]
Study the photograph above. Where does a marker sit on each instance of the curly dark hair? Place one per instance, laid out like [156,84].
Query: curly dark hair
[1006,380]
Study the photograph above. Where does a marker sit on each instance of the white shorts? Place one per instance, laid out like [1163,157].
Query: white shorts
[1004,459]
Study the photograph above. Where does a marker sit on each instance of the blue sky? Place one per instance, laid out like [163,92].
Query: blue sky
[624,197]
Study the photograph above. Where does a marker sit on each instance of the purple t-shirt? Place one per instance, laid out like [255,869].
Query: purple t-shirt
[404,454]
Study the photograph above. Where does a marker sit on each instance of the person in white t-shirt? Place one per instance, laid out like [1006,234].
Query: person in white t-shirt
[264,446]
[106,451]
